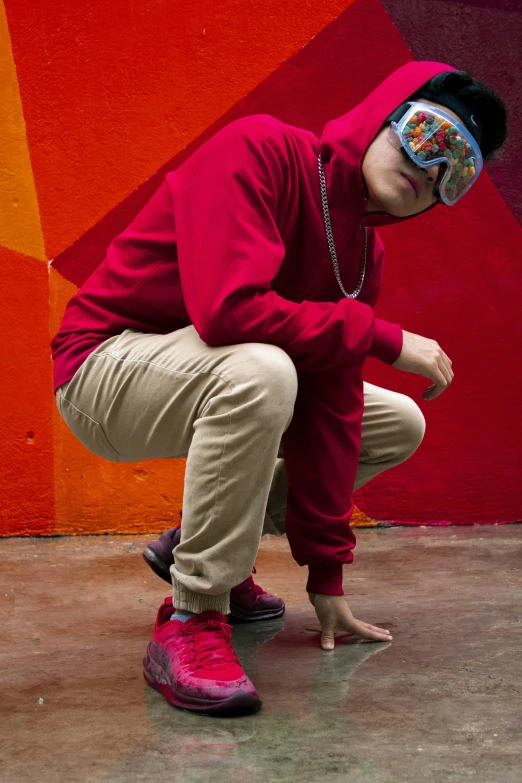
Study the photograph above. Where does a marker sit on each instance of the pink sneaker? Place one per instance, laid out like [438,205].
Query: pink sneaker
[250,602]
[194,665]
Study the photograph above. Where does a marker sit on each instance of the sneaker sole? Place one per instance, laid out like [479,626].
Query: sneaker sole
[250,617]
[237,704]
[162,569]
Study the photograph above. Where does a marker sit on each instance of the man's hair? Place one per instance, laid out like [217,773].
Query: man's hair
[458,90]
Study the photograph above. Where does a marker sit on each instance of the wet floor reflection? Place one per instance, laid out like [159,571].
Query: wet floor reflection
[304,725]
[440,703]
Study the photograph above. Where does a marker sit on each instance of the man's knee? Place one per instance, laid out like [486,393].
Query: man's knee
[412,425]
[273,376]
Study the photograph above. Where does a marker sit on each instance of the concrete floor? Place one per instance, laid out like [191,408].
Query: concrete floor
[442,702]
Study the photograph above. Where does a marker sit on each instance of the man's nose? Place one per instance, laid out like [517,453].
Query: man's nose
[432,172]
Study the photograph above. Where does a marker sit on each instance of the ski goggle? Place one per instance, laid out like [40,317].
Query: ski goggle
[429,136]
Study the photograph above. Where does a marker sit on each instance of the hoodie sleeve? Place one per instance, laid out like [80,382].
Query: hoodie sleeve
[387,340]
[230,250]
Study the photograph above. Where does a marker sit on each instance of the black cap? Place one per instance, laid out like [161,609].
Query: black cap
[472,122]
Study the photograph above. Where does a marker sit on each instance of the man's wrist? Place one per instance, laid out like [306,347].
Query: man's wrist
[325,578]
[387,341]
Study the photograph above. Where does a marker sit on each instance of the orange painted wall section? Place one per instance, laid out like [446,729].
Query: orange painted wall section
[92,495]
[98,101]
[96,98]
[26,438]
[20,227]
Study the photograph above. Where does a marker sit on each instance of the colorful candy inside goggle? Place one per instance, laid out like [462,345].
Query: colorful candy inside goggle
[430,135]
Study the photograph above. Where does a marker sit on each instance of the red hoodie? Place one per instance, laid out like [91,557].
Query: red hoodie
[234,242]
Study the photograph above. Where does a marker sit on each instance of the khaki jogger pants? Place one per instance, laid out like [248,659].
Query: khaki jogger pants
[145,396]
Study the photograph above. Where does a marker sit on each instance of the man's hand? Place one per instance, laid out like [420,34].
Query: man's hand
[334,615]
[425,357]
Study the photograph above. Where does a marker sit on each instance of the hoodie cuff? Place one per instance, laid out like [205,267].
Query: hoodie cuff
[325,579]
[387,341]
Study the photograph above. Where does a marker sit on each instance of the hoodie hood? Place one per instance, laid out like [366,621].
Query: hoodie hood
[344,142]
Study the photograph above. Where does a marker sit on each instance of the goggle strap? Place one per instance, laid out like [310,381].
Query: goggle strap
[399,112]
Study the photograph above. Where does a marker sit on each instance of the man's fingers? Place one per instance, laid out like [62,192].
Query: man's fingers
[438,378]
[449,371]
[376,628]
[445,369]
[441,375]
[327,639]
[334,615]
[431,392]
[378,636]
[367,631]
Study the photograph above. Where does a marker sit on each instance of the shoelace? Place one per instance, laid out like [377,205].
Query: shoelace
[203,654]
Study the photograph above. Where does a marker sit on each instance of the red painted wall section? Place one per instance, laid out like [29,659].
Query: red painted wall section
[114,95]
[112,90]
[456,278]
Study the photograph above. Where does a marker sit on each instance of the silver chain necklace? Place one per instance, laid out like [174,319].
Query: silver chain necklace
[331,244]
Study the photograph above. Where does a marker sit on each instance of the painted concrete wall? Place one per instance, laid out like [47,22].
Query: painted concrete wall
[100,99]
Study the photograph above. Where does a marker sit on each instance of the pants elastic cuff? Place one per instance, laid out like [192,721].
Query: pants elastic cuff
[199,602]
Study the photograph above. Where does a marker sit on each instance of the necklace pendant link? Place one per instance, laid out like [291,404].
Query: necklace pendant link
[331,245]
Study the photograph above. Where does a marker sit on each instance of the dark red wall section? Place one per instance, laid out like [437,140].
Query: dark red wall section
[483,37]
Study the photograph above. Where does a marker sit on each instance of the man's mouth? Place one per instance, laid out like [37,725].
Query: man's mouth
[414,182]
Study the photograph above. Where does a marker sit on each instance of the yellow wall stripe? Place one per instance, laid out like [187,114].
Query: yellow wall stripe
[20,227]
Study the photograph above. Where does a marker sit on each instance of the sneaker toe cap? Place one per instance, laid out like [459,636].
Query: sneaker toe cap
[269,601]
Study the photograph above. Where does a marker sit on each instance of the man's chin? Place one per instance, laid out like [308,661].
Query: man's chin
[397,207]
[392,204]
